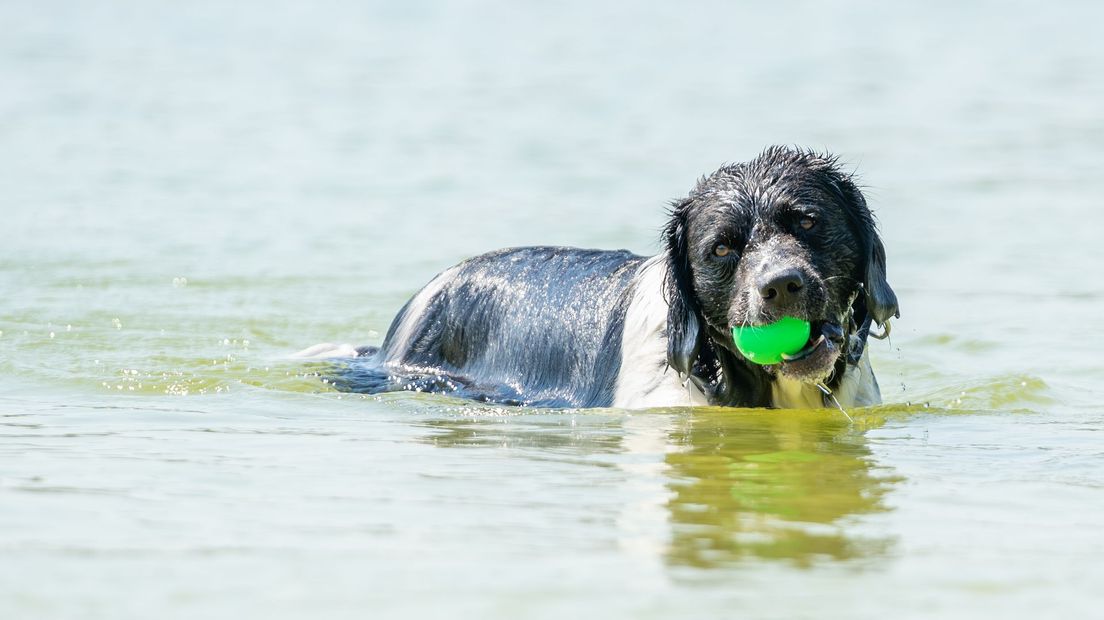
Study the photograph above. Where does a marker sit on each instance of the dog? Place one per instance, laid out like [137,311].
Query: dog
[785,234]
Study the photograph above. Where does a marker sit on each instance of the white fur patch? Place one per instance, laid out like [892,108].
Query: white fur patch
[787,393]
[644,379]
[326,350]
[856,388]
[415,310]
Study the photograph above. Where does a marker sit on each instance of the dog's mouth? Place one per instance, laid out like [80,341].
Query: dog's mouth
[815,360]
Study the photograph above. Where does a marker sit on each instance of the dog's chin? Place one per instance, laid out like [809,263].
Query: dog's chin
[814,362]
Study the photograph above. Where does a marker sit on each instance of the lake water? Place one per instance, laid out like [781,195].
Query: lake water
[191,191]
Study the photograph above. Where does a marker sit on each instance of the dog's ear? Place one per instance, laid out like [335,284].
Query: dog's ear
[880,300]
[684,328]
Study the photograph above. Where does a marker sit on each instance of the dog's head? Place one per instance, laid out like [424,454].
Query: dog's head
[786,234]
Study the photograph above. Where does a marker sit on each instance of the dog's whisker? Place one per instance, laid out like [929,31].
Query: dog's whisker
[828,392]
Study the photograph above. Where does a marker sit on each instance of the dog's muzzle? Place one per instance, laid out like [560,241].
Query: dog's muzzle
[816,359]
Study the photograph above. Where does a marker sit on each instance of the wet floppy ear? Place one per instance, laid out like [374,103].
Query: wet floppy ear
[684,329]
[881,301]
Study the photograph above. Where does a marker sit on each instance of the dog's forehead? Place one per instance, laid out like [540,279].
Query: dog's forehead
[754,191]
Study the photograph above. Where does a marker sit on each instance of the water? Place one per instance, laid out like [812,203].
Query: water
[191,192]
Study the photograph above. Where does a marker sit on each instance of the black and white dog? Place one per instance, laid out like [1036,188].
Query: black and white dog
[786,234]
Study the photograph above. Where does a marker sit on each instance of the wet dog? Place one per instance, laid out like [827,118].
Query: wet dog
[786,234]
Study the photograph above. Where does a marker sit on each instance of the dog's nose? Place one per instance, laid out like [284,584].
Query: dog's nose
[780,288]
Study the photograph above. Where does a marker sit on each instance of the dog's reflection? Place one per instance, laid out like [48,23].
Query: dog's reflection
[715,487]
[771,484]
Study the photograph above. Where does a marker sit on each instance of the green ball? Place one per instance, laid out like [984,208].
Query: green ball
[765,344]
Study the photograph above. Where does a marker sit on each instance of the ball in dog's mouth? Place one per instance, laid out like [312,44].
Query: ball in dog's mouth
[816,359]
[769,343]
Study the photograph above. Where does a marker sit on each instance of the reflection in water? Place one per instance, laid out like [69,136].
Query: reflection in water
[541,433]
[714,487]
[771,484]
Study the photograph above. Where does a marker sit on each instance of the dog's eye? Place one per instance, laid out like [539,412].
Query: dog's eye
[806,223]
[721,250]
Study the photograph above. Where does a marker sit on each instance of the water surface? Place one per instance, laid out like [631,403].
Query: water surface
[189,193]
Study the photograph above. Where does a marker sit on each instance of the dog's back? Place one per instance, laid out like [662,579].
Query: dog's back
[535,326]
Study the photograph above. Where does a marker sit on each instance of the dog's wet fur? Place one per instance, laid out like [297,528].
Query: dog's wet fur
[786,234]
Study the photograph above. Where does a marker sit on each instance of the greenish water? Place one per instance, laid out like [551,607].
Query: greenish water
[190,193]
